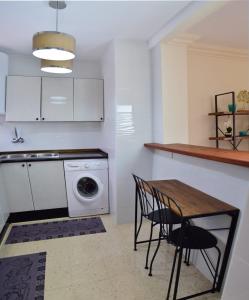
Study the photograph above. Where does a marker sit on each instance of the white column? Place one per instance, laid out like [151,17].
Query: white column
[157,100]
[126,70]
[175,92]
[133,121]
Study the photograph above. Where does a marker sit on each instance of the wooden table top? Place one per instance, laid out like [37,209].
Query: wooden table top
[193,203]
[240,158]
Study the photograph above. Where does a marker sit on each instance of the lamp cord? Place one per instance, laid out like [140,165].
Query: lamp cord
[57,5]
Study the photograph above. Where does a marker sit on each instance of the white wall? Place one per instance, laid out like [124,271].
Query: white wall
[170,93]
[30,66]
[210,74]
[108,127]
[45,135]
[175,93]
[126,67]
[226,182]
[236,286]
[157,97]
[3,73]
[133,121]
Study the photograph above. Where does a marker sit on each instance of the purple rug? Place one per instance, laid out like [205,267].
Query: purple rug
[53,230]
[22,277]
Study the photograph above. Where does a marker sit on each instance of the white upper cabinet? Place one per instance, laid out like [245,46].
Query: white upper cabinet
[57,99]
[54,99]
[23,98]
[88,100]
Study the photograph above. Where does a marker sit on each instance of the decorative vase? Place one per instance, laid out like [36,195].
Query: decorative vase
[232,108]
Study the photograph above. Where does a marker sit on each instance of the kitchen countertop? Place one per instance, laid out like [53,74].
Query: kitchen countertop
[240,158]
[64,154]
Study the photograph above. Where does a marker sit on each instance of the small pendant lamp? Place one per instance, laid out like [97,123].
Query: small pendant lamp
[56,66]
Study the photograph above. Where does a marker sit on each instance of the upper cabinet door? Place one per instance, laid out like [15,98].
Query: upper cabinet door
[88,100]
[57,99]
[23,98]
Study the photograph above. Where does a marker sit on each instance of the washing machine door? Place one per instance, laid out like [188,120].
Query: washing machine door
[87,188]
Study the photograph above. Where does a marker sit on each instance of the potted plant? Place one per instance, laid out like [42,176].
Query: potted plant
[228,132]
[243,99]
[228,128]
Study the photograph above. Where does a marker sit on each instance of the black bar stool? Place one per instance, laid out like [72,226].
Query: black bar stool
[187,237]
[149,210]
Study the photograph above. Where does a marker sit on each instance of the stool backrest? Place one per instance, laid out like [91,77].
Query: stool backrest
[167,207]
[145,195]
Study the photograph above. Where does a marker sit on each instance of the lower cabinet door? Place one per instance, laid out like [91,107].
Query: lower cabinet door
[4,208]
[47,184]
[15,179]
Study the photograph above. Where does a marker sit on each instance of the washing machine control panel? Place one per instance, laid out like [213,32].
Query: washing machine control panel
[86,164]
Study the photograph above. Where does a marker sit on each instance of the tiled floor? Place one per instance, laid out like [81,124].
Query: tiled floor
[104,266]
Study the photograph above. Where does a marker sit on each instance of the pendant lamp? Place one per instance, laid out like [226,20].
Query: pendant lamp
[54,45]
[56,66]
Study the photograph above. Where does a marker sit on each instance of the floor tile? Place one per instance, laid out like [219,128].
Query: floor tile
[104,266]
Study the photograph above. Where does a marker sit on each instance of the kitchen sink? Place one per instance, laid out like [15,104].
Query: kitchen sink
[29,155]
[13,156]
[47,155]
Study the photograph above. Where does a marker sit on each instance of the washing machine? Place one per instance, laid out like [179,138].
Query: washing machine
[87,186]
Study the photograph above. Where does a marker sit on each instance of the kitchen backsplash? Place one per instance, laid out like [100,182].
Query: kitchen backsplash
[59,135]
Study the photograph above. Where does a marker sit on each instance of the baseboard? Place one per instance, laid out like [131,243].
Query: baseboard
[35,215]
[2,233]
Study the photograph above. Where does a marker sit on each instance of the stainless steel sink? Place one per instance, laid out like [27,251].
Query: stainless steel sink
[13,156]
[48,155]
[29,155]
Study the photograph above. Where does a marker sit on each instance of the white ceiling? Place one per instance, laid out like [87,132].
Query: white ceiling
[92,23]
[227,27]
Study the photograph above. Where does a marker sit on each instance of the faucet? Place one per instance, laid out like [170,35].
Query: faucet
[17,138]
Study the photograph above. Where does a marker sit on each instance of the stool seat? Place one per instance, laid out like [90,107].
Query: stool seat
[168,217]
[194,238]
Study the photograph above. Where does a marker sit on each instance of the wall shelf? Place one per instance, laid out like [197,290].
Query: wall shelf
[234,140]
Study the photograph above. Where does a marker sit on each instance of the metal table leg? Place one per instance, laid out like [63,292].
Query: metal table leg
[229,243]
[178,271]
[135,225]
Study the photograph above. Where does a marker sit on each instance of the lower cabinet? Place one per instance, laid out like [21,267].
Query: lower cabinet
[4,209]
[17,187]
[47,184]
[34,185]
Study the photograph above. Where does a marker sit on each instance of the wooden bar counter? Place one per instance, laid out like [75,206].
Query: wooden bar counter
[222,174]
[240,158]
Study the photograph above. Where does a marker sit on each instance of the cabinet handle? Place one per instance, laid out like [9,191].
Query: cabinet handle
[23,165]
[37,119]
[29,165]
[43,119]
[101,118]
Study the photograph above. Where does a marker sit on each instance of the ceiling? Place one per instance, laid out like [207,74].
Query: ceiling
[227,27]
[93,23]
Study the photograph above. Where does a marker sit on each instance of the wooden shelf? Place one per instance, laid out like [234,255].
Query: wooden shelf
[220,138]
[226,138]
[227,113]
